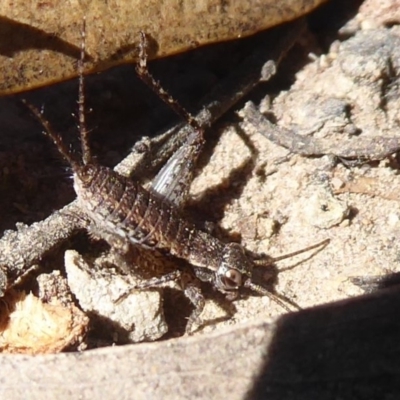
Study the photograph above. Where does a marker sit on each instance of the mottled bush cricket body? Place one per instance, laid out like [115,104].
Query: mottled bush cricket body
[126,214]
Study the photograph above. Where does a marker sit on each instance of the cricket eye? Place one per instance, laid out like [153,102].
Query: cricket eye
[232,279]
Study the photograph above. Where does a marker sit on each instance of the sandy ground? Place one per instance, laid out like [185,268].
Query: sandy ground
[339,86]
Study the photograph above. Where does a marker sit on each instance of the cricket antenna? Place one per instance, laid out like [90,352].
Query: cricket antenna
[48,130]
[147,78]
[279,299]
[276,297]
[263,262]
[84,133]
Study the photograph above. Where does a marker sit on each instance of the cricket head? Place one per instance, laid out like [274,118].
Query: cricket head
[234,270]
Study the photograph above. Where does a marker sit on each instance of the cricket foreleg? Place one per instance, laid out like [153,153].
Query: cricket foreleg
[193,293]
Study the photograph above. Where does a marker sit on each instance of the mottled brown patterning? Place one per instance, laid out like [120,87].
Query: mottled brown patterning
[122,211]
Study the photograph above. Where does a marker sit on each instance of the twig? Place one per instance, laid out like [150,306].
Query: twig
[365,148]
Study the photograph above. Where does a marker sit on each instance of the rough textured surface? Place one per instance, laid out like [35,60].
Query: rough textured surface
[325,353]
[98,294]
[20,250]
[258,191]
[44,37]
[31,326]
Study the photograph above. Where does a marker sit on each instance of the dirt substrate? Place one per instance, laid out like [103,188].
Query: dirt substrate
[339,89]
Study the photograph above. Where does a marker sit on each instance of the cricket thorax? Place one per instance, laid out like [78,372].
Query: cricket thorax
[121,207]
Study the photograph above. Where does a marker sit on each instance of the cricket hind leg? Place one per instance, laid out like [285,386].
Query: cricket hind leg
[83,131]
[192,290]
[174,179]
[145,75]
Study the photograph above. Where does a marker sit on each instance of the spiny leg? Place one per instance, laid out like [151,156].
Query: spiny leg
[151,283]
[173,180]
[193,293]
[48,130]
[84,133]
[146,77]
[190,287]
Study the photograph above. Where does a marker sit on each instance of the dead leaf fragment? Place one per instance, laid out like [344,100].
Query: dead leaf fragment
[30,326]
[43,38]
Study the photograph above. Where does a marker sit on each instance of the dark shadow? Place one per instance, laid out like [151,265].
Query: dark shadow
[345,350]
[23,36]
[219,196]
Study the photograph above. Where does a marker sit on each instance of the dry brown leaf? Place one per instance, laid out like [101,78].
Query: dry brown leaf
[43,38]
[30,326]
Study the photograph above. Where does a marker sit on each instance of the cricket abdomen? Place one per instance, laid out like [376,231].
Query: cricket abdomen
[122,207]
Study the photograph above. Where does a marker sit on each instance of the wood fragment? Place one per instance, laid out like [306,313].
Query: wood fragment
[31,326]
[360,148]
